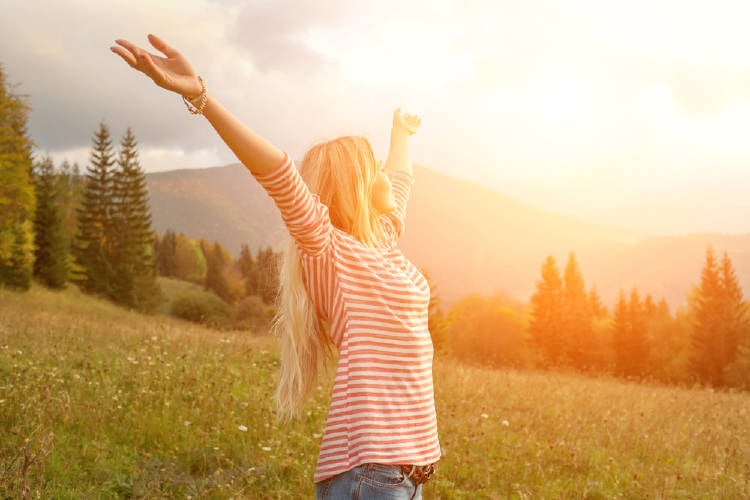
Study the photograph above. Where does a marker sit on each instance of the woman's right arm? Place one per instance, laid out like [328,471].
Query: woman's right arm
[304,216]
[175,73]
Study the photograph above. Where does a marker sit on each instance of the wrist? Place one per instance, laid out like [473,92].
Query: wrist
[197,104]
[196,89]
[400,130]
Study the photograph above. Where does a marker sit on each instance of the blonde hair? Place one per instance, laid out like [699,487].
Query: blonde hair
[341,172]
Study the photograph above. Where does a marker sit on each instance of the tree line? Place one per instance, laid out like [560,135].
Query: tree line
[94,229]
[566,326]
[59,225]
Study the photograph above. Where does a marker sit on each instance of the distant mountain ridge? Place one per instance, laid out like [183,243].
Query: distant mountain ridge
[468,237]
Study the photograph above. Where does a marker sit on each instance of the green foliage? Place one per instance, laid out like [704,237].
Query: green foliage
[669,346]
[435,316]
[629,335]
[203,308]
[487,330]
[166,253]
[52,247]
[134,281]
[100,402]
[96,230]
[114,247]
[190,262]
[252,314]
[720,320]
[578,345]
[248,268]
[17,198]
[547,314]
[218,260]
[70,189]
[260,274]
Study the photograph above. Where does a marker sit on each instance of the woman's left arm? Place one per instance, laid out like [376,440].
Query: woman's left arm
[399,160]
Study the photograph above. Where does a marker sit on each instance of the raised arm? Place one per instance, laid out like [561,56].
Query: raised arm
[304,216]
[399,168]
[174,73]
[399,160]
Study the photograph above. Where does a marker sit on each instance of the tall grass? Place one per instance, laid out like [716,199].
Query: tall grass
[96,401]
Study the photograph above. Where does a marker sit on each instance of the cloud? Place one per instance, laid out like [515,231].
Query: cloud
[509,92]
[272,33]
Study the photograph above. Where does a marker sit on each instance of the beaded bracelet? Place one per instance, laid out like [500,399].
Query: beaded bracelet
[202,98]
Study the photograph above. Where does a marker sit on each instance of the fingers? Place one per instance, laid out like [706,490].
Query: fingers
[126,55]
[162,46]
[127,51]
[138,59]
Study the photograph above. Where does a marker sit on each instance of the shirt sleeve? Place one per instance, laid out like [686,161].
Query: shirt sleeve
[395,221]
[304,215]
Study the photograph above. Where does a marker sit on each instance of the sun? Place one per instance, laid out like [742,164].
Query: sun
[563,101]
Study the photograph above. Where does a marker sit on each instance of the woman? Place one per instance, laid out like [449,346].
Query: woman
[344,284]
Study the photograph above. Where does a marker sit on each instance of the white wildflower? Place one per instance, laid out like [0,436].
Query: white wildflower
[266,448]
[505,423]
[243,428]
[484,415]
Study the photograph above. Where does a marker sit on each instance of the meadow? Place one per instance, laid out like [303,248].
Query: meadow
[100,402]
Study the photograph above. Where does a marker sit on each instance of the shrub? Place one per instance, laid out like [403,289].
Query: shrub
[251,313]
[202,307]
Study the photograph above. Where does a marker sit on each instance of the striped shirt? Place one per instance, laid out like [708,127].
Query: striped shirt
[375,301]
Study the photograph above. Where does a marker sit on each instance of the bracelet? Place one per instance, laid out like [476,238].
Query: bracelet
[197,109]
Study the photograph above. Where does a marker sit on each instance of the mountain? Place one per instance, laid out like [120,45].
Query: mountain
[468,237]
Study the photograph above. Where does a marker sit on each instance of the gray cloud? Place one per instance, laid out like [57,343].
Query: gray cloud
[270,32]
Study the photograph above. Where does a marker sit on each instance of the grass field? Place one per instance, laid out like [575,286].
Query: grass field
[99,402]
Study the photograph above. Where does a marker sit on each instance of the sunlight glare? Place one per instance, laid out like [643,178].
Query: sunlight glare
[563,101]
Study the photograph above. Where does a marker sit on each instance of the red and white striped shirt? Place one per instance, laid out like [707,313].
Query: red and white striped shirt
[375,300]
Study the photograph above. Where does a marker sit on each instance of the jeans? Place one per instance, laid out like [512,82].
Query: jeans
[369,482]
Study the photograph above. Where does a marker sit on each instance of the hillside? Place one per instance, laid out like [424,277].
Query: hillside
[101,402]
[470,238]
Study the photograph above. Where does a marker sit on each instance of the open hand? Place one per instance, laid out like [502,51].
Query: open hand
[408,122]
[172,72]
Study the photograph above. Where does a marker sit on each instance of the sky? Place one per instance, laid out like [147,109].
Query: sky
[630,114]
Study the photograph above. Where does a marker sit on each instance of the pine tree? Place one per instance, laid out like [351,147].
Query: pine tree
[637,347]
[70,187]
[735,349]
[166,254]
[734,318]
[547,313]
[597,307]
[621,335]
[217,260]
[51,252]
[134,280]
[16,190]
[577,316]
[249,270]
[709,332]
[93,246]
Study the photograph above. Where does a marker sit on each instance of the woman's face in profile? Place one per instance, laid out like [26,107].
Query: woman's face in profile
[382,192]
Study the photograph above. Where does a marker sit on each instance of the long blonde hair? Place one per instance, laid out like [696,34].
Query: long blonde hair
[341,172]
